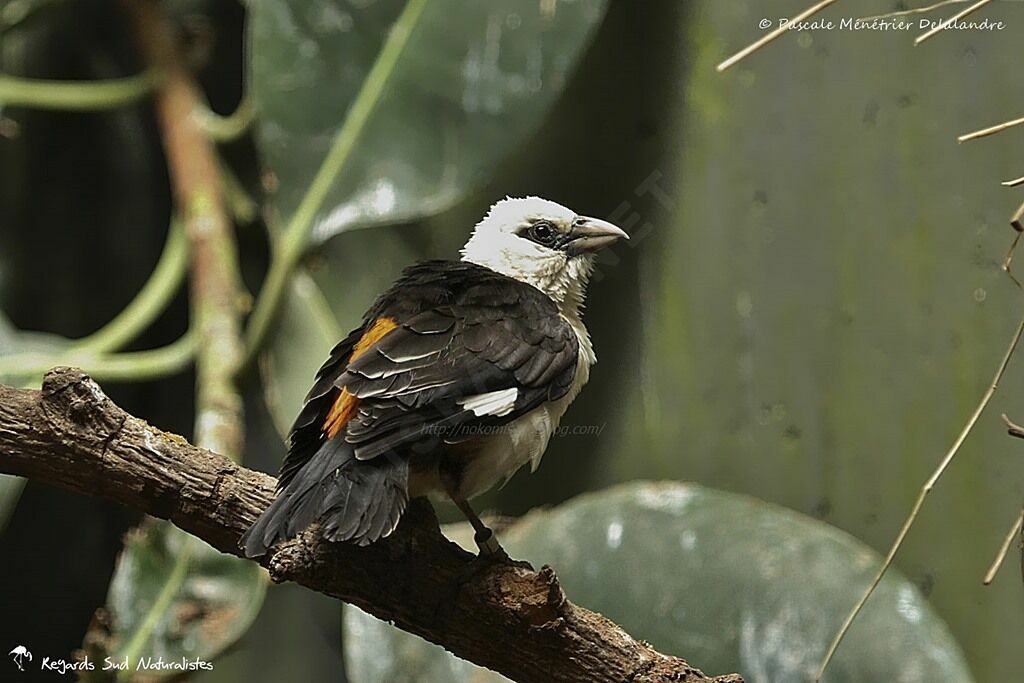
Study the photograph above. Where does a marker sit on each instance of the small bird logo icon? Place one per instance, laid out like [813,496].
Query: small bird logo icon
[19,655]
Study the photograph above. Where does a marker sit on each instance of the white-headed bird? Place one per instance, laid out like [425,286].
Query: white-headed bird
[457,377]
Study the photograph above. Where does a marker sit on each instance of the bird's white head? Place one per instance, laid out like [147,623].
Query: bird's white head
[543,244]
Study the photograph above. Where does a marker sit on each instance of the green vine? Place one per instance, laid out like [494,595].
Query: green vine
[76,95]
[290,247]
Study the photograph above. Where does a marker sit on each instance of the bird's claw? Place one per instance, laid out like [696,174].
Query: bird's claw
[491,555]
[491,551]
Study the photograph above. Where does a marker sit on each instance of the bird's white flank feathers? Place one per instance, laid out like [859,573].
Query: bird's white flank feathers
[496,403]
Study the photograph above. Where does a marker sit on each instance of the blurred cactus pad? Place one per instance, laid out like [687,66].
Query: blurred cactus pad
[733,583]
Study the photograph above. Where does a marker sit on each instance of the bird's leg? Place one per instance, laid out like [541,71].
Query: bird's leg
[485,539]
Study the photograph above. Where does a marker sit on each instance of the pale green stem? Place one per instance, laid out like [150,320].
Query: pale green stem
[151,300]
[92,353]
[310,299]
[10,493]
[243,207]
[139,639]
[226,128]
[289,249]
[316,304]
[76,95]
[132,366]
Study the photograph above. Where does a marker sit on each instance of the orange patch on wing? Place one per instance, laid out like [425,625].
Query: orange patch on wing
[345,404]
[341,412]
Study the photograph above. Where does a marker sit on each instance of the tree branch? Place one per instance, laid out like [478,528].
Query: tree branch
[216,287]
[509,619]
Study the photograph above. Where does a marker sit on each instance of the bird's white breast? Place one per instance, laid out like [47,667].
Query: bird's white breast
[525,439]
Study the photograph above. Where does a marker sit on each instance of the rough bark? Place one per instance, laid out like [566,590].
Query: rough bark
[507,618]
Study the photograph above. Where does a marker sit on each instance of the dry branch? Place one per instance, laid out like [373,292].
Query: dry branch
[1004,548]
[1016,219]
[510,619]
[772,35]
[949,22]
[1012,428]
[991,130]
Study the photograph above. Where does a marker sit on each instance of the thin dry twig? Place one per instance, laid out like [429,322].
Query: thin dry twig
[1012,428]
[1004,549]
[925,490]
[1009,257]
[1013,183]
[952,20]
[991,130]
[769,37]
[1015,220]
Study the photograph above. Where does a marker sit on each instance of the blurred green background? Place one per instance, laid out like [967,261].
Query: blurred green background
[809,309]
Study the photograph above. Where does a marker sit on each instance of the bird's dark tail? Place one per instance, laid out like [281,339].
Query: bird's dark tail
[354,500]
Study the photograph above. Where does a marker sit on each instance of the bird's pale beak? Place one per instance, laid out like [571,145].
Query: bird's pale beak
[590,234]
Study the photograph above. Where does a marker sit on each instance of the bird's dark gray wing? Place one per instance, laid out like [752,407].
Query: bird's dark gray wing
[421,379]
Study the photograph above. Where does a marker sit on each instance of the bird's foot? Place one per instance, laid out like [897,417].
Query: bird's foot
[491,551]
[491,555]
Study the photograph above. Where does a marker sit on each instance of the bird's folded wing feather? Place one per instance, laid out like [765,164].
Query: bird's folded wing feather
[456,366]
[464,347]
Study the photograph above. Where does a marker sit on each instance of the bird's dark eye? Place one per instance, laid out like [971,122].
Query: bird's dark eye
[542,232]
